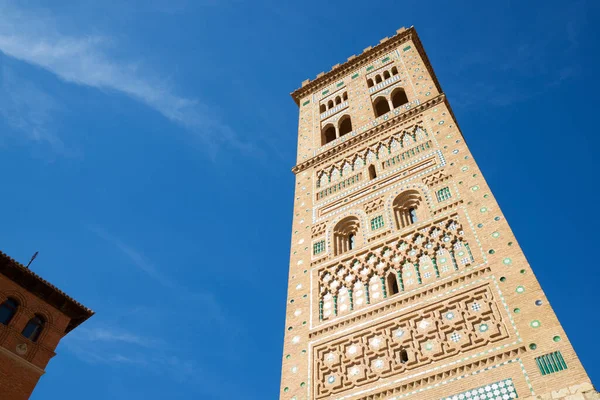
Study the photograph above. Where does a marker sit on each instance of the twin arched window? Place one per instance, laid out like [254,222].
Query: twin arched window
[330,132]
[407,211]
[407,208]
[34,327]
[345,234]
[381,104]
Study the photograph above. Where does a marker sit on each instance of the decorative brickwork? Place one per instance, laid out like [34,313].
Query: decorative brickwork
[405,279]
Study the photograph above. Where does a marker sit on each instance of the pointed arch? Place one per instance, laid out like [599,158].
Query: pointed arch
[330,104]
[378,79]
[370,83]
[322,108]
[386,75]
[338,100]
[394,71]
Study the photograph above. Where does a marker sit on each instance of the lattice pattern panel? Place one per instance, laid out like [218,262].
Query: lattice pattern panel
[459,324]
[421,258]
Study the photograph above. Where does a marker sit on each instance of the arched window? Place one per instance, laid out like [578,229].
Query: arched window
[345,126]
[407,208]
[338,100]
[345,235]
[392,284]
[399,97]
[378,79]
[34,328]
[322,108]
[345,96]
[370,82]
[8,309]
[386,75]
[372,172]
[394,71]
[328,134]
[330,104]
[381,106]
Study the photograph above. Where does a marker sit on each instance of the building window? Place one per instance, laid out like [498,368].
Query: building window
[345,125]
[377,222]
[8,309]
[392,284]
[318,247]
[34,328]
[403,356]
[551,363]
[345,235]
[412,212]
[381,106]
[399,97]
[443,194]
[407,208]
[372,172]
[322,108]
[328,134]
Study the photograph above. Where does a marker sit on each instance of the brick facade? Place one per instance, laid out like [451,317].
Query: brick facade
[406,280]
[22,360]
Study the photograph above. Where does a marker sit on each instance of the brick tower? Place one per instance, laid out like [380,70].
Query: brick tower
[406,280]
[34,316]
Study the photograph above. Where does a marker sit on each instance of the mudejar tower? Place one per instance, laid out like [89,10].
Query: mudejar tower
[405,278]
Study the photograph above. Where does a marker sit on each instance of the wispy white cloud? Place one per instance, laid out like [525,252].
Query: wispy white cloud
[83,59]
[218,318]
[104,334]
[29,110]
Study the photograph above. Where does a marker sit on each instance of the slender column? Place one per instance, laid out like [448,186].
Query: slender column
[321,310]
[418,273]
[383,287]
[435,267]
[335,308]
[453,260]
[367,297]
[351,299]
[469,251]
[400,280]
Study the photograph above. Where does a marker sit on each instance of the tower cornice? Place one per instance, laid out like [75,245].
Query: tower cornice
[368,55]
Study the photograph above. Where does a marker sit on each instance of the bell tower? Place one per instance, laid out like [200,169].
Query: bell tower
[405,279]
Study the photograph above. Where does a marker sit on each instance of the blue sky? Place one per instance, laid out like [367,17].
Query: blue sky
[147,147]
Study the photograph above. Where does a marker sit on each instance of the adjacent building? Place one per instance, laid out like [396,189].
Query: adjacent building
[34,317]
